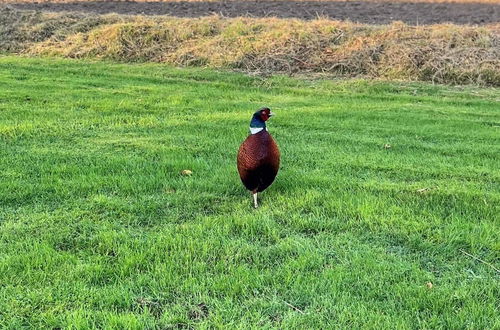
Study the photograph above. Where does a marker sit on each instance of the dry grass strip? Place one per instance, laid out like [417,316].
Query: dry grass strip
[444,53]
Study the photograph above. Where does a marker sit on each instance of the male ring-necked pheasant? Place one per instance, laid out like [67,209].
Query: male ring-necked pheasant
[259,156]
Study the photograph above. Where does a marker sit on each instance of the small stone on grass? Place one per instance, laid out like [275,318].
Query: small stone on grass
[186,172]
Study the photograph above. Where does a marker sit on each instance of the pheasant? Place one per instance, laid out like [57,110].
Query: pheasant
[258,156]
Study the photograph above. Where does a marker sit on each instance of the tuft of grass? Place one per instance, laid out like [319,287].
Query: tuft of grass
[446,53]
[382,187]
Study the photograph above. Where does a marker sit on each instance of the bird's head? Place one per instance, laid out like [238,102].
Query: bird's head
[263,114]
[259,118]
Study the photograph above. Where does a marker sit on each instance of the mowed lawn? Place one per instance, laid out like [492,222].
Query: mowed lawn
[385,192]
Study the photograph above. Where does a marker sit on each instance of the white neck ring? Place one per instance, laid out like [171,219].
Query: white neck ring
[255,130]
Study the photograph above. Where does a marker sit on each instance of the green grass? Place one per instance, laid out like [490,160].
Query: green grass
[99,229]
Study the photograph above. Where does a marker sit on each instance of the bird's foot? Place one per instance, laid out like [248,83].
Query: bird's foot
[255,204]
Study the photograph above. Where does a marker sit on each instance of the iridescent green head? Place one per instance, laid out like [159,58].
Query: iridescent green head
[260,117]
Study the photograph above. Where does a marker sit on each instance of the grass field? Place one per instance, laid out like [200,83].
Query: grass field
[98,227]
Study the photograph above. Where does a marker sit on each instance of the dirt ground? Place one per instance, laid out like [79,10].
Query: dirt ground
[357,11]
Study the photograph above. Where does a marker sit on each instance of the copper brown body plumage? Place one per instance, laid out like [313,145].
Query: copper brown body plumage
[258,156]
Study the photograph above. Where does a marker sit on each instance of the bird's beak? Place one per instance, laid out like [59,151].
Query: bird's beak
[271,114]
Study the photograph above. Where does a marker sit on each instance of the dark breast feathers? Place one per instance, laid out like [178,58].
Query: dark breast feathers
[258,161]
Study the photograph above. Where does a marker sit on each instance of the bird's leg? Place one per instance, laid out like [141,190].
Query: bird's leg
[255,200]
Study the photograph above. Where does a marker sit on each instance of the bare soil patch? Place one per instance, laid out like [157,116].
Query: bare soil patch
[413,13]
